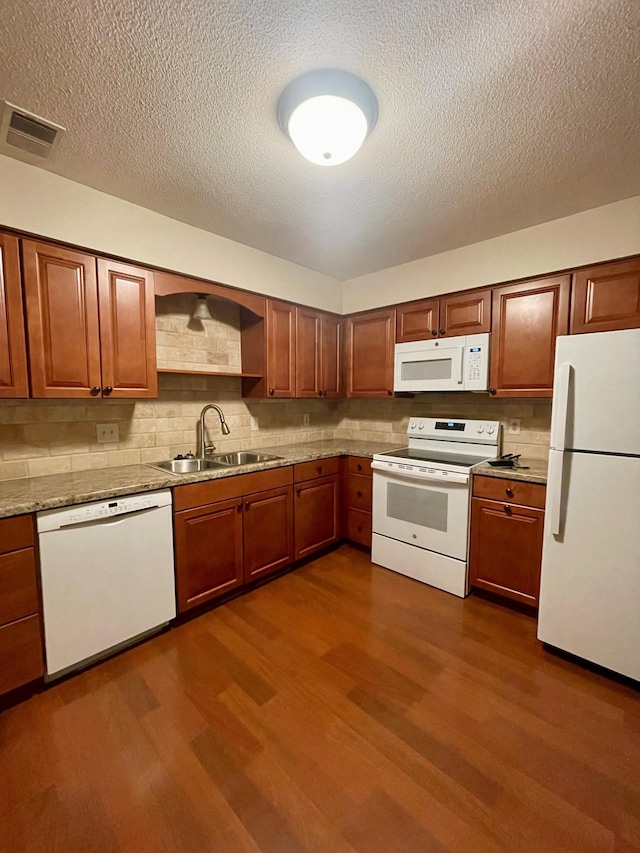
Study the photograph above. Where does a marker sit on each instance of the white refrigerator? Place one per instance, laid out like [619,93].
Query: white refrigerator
[590,585]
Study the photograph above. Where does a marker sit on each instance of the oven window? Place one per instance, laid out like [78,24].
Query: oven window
[417,506]
[438,368]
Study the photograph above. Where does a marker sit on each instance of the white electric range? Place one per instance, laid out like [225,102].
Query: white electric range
[421,500]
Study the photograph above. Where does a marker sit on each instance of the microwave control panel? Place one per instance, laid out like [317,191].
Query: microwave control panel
[476,363]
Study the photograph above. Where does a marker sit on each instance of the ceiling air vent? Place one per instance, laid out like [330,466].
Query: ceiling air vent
[27,136]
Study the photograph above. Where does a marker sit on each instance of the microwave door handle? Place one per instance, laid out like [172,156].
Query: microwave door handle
[462,353]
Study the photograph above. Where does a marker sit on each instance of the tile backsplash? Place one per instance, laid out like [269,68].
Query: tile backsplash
[54,436]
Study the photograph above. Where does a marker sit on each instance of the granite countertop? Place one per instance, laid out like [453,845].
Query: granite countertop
[534,472]
[55,490]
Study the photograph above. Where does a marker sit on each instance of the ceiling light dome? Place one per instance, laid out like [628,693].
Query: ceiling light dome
[327,114]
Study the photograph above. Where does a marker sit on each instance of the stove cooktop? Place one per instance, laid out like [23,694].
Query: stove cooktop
[412,455]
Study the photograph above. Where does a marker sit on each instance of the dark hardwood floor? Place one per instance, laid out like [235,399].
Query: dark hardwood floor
[341,707]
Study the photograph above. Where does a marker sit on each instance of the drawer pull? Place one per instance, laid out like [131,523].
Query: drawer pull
[359,467]
[359,493]
[507,509]
[509,492]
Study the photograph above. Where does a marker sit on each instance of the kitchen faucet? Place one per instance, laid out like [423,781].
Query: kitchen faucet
[204,447]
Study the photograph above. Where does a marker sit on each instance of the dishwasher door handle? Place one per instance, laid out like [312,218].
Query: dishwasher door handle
[103,522]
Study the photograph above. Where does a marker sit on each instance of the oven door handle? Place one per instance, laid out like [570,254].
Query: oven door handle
[437,477]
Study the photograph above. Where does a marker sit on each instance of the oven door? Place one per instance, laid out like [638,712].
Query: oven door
[423,366]
[430,510]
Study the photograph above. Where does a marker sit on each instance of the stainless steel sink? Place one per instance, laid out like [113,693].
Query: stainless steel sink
[242,457]
[187,466]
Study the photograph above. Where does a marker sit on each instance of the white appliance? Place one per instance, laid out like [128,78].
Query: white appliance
[421,499]
[449,364]
[107,576]
[590,586]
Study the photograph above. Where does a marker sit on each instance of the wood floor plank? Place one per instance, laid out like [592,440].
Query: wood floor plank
[339,708]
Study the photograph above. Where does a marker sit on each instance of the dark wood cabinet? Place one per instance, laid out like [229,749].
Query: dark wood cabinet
[127,330]
[21,658]
[527,318]
[13,349]
[209,552]
[268,532]
[506,538]
[331,356]
[606,298]
[91,325]
[281,349]
[369,352]
[318,362]
[316,504]
[358,488]
[460,314]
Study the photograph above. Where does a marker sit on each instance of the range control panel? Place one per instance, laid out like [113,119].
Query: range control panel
[455,429]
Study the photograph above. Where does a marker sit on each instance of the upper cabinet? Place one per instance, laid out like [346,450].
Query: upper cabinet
[318,362]
[13,353]
[369,351]
[606,298]
[461,314]
[91,328]
[281,349]
[527,318]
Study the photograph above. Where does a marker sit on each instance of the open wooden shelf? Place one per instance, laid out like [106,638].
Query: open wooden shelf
[209,373]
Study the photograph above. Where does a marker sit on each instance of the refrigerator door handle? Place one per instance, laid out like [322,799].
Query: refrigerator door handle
[561,406]
[554,490]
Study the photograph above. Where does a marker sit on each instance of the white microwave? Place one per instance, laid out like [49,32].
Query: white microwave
[447,364]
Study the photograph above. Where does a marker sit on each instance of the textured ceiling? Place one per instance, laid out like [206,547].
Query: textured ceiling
[494,114]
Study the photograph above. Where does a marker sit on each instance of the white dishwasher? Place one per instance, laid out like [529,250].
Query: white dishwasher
[107,577]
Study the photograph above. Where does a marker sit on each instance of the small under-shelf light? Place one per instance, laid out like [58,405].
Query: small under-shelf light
[202,308]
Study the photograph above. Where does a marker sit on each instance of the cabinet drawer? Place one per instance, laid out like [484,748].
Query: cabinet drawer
[321,468]
[229,488]
[513,491]
[20,653]
[359,527]
[16,533]
[359,465]
[359,492]
[18,585]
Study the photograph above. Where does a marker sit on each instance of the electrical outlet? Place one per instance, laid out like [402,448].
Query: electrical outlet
[514,426]
[255,423]
[107,432]
[305,419]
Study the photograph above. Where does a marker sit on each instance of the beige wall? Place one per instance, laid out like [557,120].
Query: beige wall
[611,231]
[34,200]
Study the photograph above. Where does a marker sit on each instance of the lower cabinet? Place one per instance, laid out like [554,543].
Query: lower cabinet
[358,500]
[268,532]
[316,506]
[21,658]
[507,518]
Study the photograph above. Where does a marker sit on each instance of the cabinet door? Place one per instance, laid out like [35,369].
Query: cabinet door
[606,298]
[62,319]
[281,349]
[465,314]
[308,352]
[13,352]
[330,356]
[527,318]
[21,658]
[268,532]
[316,515]
[418,321]
[370,340]
[506,549]
[208,552]
[127,330]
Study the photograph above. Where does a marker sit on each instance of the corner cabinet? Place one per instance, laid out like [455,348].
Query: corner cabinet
[527,318]
[606,298]
[369,352]
[14,381]
[91,325]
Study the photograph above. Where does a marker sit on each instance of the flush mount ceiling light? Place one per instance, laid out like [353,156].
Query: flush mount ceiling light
[327,114]
[202,308]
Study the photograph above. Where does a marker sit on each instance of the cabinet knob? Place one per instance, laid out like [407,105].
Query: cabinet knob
[247,505]
[359,528]
[272,391]
[319,393]
[239,507]
[107,390]
[507,509]
[298,492]
[359,467]
[95,391]
[319,469]
[509,492]
[434,332]
[359,494]
[492,391]
[390,393]
[443,331]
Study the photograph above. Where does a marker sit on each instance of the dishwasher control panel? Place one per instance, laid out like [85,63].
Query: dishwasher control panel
[96,511]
